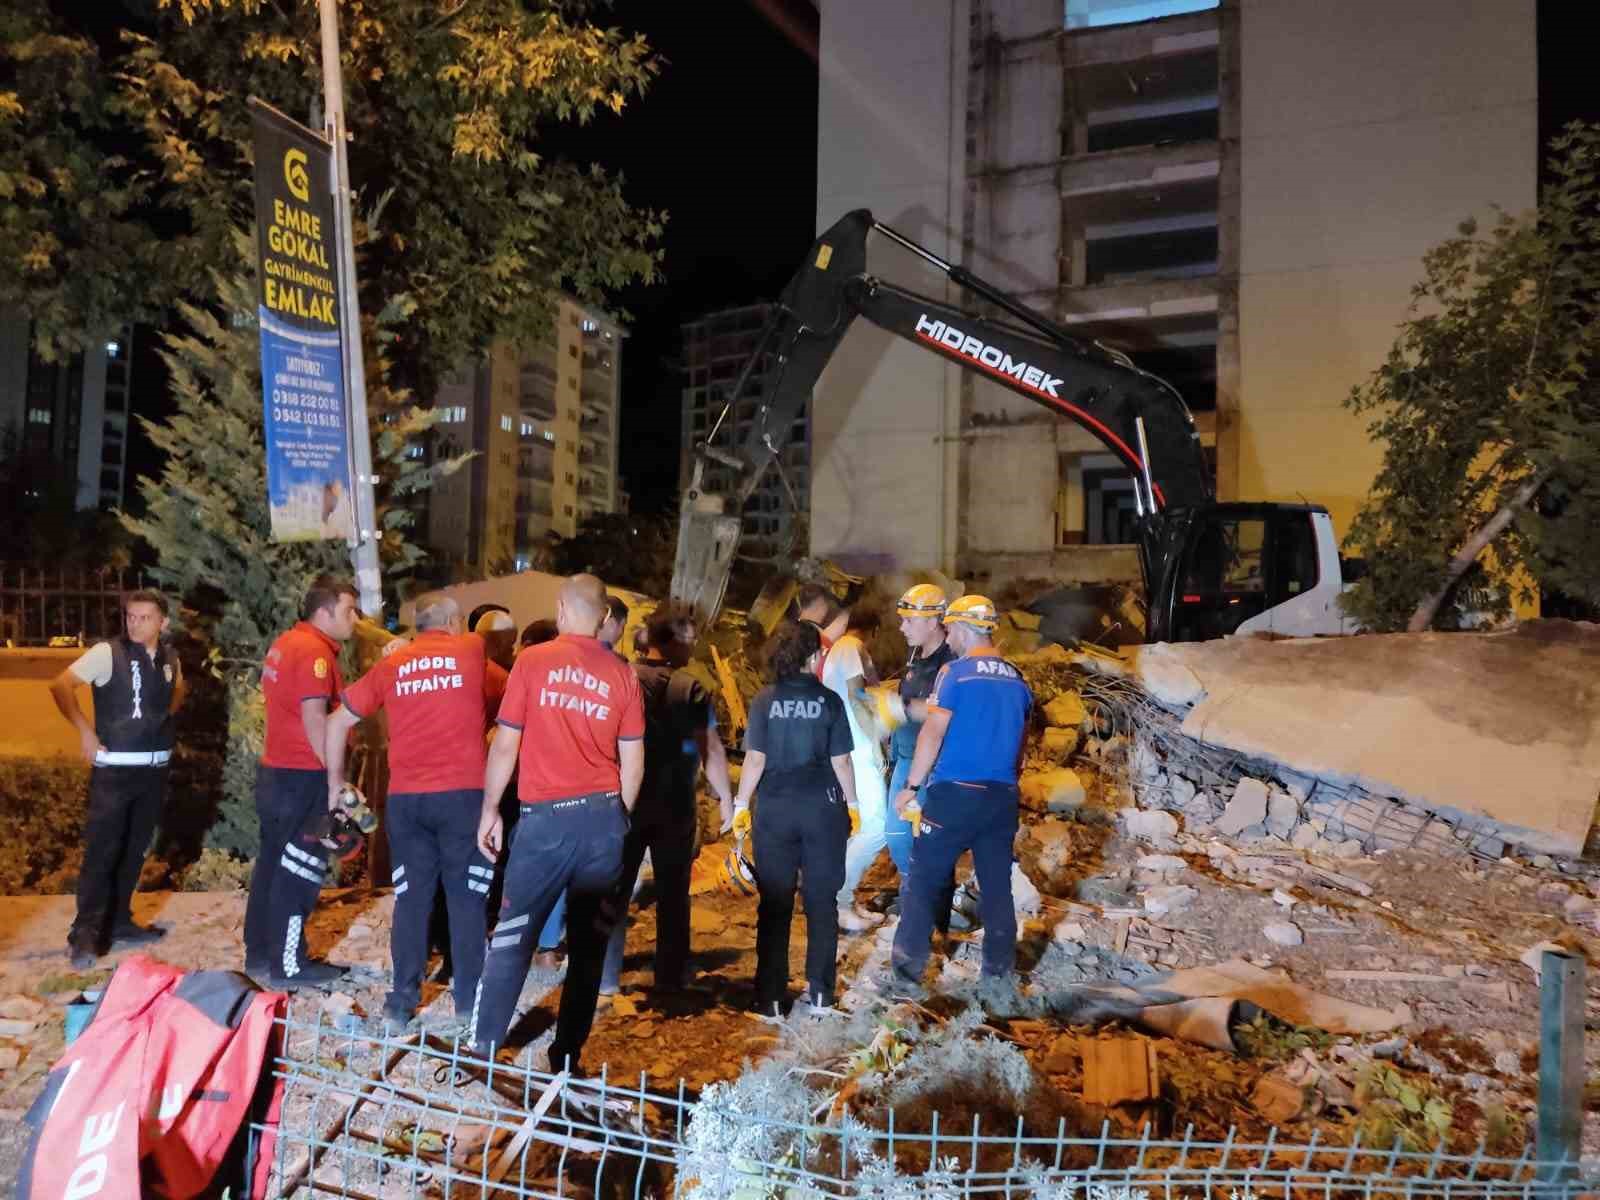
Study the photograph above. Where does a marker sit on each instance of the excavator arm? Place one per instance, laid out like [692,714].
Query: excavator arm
[1136,415]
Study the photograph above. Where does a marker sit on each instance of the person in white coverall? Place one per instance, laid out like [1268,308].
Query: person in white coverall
[848,671]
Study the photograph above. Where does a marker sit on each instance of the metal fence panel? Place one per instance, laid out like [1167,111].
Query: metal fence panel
[370,1113]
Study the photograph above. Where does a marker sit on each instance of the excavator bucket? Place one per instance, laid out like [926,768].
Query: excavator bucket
[706,545]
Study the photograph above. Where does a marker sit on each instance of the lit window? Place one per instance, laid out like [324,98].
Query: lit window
[38,416]
[113,348]
[505,423]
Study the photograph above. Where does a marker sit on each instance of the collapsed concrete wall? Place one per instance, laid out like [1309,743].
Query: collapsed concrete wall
[1491,740]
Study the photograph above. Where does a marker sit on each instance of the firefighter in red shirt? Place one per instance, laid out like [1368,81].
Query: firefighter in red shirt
[300,682]
[435,691]
[574,711]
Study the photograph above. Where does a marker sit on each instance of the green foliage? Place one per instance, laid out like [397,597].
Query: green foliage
[1393,1106]
[215,871]
[1266,1037]
[1487,389]
[626,551]
[76,245]
[447,108]
[42,806]
[207,519]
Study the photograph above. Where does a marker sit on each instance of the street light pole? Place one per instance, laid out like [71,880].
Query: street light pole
[364,550]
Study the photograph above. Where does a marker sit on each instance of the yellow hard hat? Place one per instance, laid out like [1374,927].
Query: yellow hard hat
[976,611]
[922,600]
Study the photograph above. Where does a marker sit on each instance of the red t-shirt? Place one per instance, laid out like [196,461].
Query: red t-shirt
[435,692]
[303,664]
[494,691]
[573,700]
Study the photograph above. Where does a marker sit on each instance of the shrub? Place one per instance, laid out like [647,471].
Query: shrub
[215,871]
[41,823]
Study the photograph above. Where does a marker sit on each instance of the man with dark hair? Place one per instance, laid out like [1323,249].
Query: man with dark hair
[435,691]
[536,633]
[300,682]
[572,723]
[665,821]
[138,684]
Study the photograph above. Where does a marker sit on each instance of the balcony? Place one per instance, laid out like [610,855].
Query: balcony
[1143,313]
[1146,179]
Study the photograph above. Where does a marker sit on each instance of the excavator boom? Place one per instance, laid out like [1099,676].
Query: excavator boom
[1136,415]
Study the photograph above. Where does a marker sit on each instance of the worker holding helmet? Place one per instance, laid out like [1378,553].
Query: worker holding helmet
[963,781]
[921,612]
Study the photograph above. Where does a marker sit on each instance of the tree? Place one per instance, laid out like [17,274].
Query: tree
[207,516]
[1489,416]
[449,109]
[633,552]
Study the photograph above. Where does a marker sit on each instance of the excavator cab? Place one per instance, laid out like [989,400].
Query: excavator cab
[1249,568]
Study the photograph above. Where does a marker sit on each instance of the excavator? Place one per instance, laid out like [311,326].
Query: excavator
[1209,569]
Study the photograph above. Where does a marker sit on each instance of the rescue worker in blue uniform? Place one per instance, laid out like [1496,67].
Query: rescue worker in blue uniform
[965,769]
[797,753]
[921,612]
[137,684]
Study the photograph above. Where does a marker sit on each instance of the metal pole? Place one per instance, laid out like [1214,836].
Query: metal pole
[364,551]
[1561,1008]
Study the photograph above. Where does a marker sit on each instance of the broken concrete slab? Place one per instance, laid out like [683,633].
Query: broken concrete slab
[1283,814]
[1161,862]
[1284,933]
[1058,743]
[1066,711]
[1499,726]
[1059,790]
[1156,827]
[1159,901]
[1248,807]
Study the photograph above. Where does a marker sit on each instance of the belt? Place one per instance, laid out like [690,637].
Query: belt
[573,803]
[132,758]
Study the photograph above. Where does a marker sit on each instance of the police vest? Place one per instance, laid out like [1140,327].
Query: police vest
[133,709]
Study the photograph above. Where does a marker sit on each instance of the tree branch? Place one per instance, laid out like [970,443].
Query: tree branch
[1471,548]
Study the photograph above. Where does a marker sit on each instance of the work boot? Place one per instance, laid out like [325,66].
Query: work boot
[854,920]
[128,935]
[999,996]
[81,952]
[896,986]
[820,1007]
[396,1015]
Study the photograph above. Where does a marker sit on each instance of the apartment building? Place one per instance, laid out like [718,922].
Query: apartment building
[1238,195]
[74,411]
[716,348]
[543,420]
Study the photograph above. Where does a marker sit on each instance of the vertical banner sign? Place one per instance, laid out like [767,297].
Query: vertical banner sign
[302,370]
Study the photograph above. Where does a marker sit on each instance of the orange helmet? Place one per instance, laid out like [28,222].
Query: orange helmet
[922,600]
[977,611]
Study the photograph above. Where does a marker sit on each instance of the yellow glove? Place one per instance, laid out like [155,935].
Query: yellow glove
[741,822]
[855,820]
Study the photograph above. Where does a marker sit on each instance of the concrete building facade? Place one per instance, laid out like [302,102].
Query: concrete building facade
[716,348]
[1239,195]
[76,411]
[543,420]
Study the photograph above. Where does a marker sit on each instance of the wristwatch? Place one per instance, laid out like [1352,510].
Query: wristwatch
[915,787]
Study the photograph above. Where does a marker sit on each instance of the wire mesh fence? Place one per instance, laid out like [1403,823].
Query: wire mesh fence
[373,1114]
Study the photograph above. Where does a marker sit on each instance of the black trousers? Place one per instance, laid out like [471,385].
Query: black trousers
[799,840]
[956,817]
[433,840]
[124,807]
[665,823]
[289,870]
[561,845]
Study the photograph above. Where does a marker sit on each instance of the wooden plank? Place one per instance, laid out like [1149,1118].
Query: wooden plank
[1119,1071]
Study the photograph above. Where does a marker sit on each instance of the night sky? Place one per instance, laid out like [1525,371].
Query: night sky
[726,141]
